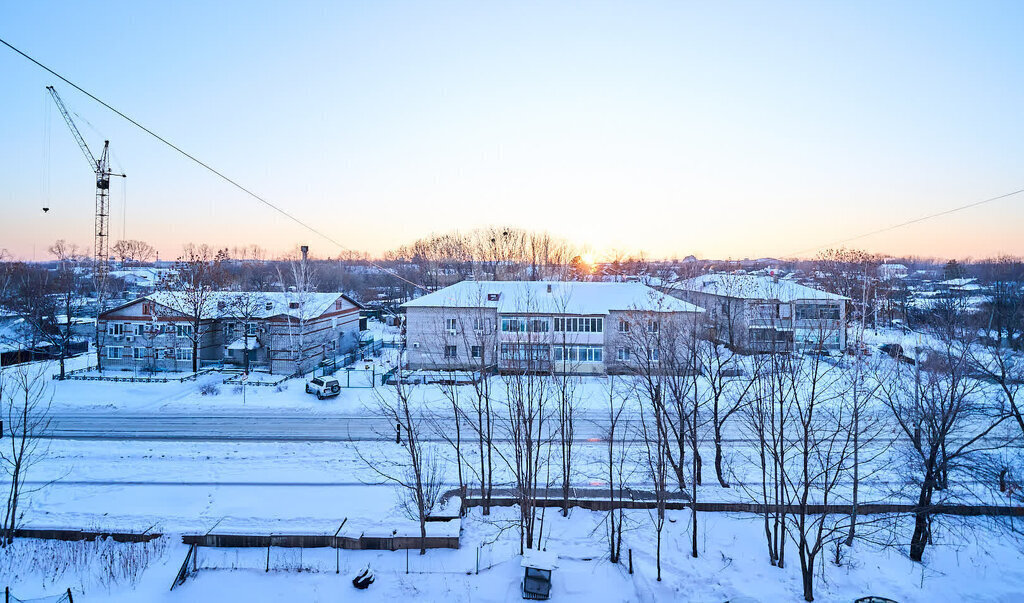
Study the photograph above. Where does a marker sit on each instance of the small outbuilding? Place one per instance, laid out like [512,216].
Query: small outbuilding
[538,566]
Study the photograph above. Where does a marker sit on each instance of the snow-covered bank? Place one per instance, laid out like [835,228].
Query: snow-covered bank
[733,563]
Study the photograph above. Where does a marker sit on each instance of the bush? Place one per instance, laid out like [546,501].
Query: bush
[237,390]
[209,389]
[101,562]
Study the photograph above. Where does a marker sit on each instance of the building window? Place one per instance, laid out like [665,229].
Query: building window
[817,312]
[623,326]
[115,328]
[622,354]
[113,352]
[229,330]
[138,353]
[339,304]
[147,308]
[513,325]
[251,328]
[579,325]
[653,326]
[578,353]
[481,324]
[183,330]
[451,324]
[450,351]
[655,355]
[182,354]
[522,353]
[538,325]
[476,351]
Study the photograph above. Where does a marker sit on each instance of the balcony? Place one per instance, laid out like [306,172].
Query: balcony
[783,324]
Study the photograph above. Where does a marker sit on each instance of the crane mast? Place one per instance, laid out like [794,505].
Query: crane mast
[101,168]
[101,230]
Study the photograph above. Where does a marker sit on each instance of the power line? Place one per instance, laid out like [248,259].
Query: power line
[908,222]
[216,172]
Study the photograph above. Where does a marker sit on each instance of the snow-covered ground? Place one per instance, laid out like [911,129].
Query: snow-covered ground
[732,563]
[183,485]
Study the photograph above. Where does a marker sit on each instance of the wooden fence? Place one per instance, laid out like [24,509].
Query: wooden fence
[312,541]
[76,535]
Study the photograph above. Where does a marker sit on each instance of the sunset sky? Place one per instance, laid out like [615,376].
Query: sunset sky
[724,130]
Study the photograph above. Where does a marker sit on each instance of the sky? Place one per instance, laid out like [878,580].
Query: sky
[723,130]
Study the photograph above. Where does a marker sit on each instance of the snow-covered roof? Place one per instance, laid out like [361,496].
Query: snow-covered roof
[746,286]
[552,297]
[225,304]
[958,282]
[544,560]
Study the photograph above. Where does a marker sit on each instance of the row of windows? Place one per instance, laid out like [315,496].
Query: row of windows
[578,353]
[479,324]
[522,353]
[117,328]
[118,352]
[653,326]
[625,355]
[526,325]
[579,325]
[817,312]
[512,324]
[572,353]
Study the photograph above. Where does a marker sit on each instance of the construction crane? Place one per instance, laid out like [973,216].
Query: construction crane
[101,167]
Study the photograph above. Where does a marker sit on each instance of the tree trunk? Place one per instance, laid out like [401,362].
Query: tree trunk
[718,455]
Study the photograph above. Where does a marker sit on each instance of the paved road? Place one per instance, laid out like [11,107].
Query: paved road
[288,426]
[271,427]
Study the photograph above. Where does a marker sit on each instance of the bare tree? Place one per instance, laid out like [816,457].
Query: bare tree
[619,463]
[130,251]
[654,455]
[767,419]
[25,403]
[728,391]
[419,472]
[947,421]
[68,300]
[199,274]
[822,446]
[527,413]
[246,307]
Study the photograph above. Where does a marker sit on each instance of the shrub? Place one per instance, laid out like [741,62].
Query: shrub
[210,389]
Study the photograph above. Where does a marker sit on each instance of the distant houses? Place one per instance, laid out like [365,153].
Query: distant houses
[280,332]
[538,326]
[762,314]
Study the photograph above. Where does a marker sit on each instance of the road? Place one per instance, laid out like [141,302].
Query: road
[255,426]
[289,426]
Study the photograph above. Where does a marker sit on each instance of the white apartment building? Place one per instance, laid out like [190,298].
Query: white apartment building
[542,326]
[762,314]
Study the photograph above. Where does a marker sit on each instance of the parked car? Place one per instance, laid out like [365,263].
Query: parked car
[323,387]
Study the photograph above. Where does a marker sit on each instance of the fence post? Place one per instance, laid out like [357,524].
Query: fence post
[406,561]
[70,600]
[270,540]
[630,562]
[478,560]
